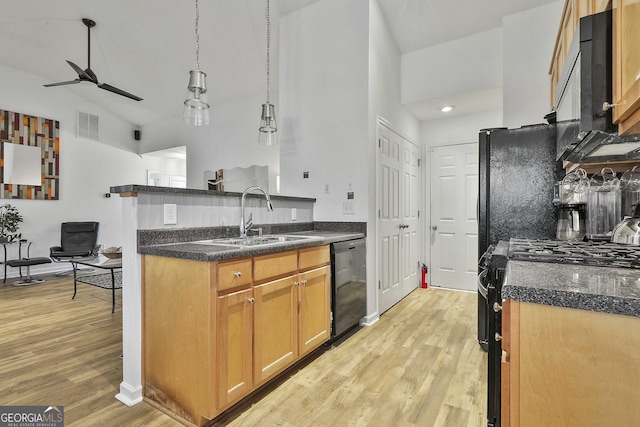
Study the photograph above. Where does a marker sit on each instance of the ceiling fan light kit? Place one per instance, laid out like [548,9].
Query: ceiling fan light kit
[88,75]
[267,132]
[196,108]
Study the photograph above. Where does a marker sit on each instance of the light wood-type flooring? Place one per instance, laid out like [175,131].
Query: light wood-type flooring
[420,365]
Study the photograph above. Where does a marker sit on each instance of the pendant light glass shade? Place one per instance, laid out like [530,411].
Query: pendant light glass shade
[268,127]
[267,134]
[196,107]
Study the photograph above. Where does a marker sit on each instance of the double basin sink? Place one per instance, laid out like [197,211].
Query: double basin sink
[254,241]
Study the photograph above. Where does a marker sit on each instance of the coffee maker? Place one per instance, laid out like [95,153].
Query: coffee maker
[571,221]
[570,200]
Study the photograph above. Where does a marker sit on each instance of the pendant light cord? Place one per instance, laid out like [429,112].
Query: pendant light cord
[268,49]
[197,37]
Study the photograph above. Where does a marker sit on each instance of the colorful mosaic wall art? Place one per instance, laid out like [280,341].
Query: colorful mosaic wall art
[17,128]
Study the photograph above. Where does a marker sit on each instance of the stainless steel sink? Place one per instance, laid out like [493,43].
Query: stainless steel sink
[271,239]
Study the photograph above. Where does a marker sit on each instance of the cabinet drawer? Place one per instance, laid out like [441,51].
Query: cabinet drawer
[232,274]
[313,257]
[274,265]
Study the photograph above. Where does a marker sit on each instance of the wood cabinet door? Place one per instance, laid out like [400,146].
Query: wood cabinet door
[235,349]
[275,326]
[626,74]
[314,323]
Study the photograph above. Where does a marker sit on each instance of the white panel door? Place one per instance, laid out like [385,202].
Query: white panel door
[454,224]
[389,219]
[398,224]
[410,213]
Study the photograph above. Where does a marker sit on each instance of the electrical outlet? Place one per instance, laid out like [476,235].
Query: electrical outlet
[170,214]
[347,208]
[294,214]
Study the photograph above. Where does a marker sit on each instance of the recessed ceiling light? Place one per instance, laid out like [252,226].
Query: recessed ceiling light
[447,108]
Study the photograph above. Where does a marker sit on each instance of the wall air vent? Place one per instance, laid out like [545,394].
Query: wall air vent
[87,126]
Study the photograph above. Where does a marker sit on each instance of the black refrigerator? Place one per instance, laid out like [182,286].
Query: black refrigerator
[517,176]
[518,170]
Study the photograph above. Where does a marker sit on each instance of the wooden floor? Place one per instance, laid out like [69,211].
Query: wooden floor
[420,365]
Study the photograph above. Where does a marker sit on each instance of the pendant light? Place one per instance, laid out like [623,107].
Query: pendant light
[267,133]
[196,108]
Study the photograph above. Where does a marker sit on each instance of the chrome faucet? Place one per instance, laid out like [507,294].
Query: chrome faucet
[246,226]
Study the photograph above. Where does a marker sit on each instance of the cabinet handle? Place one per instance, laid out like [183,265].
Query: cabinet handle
[251,300]
[238,274]
[304,282]
[296,283]
[498,337]
[606,106]
[497,307]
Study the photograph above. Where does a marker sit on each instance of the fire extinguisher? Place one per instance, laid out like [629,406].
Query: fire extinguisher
[425,270]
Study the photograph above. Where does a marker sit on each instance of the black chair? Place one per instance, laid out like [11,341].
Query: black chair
[77,240]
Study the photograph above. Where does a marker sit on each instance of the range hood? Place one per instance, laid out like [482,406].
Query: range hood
[586,133]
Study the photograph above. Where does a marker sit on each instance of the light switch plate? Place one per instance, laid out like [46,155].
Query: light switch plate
[347,208]
[170,214]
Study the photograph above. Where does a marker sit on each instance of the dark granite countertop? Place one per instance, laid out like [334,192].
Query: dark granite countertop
[135,188]
[202,252]
[602,289]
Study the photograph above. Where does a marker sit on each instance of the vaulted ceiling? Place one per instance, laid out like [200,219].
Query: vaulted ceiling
[147,47]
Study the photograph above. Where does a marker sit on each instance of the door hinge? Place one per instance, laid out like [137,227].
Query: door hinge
[418,213]
[419,162]
[379,142]
[379,286]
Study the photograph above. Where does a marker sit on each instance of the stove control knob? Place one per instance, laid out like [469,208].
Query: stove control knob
[498,337]
[497,307]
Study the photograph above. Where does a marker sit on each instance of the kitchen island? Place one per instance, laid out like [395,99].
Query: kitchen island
[570,339]
[222,321]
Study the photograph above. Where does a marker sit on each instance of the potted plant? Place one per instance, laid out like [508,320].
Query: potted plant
[10,220]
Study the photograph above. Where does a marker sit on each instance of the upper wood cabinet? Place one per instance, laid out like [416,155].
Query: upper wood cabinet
[571,13]
[626,64]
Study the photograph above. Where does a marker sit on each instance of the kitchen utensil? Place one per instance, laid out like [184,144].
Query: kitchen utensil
[573,187]
[628,230]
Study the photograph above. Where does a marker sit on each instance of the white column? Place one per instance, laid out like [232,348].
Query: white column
[131,385]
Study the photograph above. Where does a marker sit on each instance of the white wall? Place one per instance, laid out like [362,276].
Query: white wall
[468,64]
[529,38]
[324,107]
[87,168]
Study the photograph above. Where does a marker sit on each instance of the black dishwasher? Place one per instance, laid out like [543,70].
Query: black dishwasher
[348,285]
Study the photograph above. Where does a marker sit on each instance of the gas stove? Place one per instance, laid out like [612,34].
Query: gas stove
[604,254]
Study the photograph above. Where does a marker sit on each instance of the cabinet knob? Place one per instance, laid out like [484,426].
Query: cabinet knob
[238,274]
[304,282]
[251,300]
[296,283]
[498,337]
[497,307]
[607,106]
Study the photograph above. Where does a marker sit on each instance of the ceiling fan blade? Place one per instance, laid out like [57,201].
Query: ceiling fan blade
[113,89]
[71,82]
[81,73]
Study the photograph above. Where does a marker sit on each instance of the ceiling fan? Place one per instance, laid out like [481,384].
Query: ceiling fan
[88,75]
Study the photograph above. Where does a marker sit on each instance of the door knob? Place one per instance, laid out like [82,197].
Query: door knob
[434,227]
